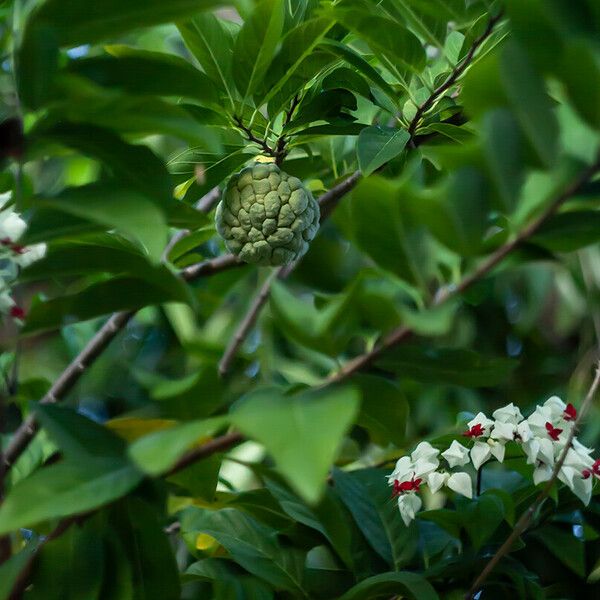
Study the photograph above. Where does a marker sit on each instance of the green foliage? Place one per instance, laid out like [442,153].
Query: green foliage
[455,271]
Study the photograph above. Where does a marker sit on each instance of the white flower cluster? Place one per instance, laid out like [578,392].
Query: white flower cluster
[13,256]
[542,437]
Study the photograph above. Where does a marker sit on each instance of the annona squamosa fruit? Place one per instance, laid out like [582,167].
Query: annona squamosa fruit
[266,216]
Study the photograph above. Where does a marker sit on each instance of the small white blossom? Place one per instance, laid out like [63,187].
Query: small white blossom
[503,431]
[541,473]
[30,255]
[508,414]
[409,505]
[436,480]
[480,423]
[461,484]
[11,225]
[456,455]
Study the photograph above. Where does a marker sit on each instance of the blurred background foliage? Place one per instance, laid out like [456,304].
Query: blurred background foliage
[466,119]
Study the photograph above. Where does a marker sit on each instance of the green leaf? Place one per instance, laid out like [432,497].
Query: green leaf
[157,452]
[366,494]
[66,488]
[482,518]
[297,45]
[12,568]
[580,71]
[70,567]
[379,230]
[326,517]
[533,107]
[384,409]
[251,544]
[447,365]
[409,585]
[256,44]
[78,23]
[119,293]
[286,426]
[76,435]
[389,40]
[565,546]
[569,231]
[360,64]
[504,154]
[211,43]
[377,145]
[228,581]
[114,206]
[140,72]
[103,254]
[135,165]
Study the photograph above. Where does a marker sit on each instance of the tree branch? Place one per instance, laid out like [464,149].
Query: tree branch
[329,200]
[526,518]
[453,77]
[205,205]
[402,333]
[247,322]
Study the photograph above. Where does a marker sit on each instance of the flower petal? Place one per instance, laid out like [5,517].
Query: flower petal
[480,453]
[461,484]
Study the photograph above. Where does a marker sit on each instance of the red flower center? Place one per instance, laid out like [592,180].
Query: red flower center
[553,432]
[406,486]
[586,473]
[17,312]
[570,413]
[596,467]
[475,431]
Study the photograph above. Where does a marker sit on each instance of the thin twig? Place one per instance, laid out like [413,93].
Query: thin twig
[70,376]
[22,581]
[281,146]
[526,518]
[402,333]
[329,200]
[252,138]
[220,444]
[205,205]
[247,322]
[453,77]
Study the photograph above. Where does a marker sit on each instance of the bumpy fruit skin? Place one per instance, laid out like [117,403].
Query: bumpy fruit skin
[266,216]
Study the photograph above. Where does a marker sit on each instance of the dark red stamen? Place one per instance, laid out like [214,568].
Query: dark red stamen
[586,473]
[475,431]
[596,467]
[406,486]
[17,312]
[553,432]
[570,413]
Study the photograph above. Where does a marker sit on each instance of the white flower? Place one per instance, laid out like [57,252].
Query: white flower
[457,455]
[30,255]
[523,432]
[479,426]
[542,472]
[508,414]
[11,225]
[539,449]
[481,452]
[424,459]
[6,301]
[503,431]
[461,484]
[436,480]
[402,470]
[409,505]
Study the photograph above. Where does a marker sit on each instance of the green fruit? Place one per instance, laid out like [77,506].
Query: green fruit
[266,216]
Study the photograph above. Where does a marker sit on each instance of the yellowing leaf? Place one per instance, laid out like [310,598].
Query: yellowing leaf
[132,428]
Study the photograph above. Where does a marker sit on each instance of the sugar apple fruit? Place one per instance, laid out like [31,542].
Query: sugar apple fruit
[266,216]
